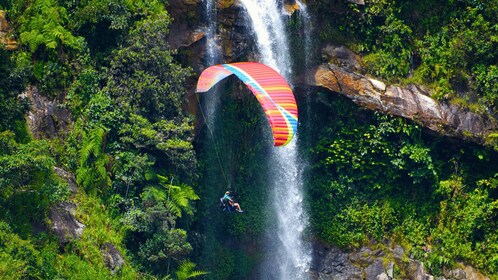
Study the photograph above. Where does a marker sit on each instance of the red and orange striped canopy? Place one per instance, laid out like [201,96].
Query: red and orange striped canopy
[270,88]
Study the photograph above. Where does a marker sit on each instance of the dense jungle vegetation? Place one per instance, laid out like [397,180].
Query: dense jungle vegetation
[145,180]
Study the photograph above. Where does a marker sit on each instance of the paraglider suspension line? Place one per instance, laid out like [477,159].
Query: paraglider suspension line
[214,141]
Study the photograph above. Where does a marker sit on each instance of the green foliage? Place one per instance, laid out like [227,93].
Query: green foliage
[47,45]
[43,25]
[486,79]
[93,171]
[27,181]
[451,45]
[465,225]
[186,271]
[109,62]
[104,23]
[12,79]
[176,199]
[21,259]
[168,140]
[377,177]
[163,247]
[143,74]
[83,257]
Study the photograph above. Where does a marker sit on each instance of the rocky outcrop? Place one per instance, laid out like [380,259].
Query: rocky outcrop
[46,119]
[64,224]
[331,263]
[290,6]
[62,216]
[342,74]
[68,177]
[188,31]
[112,257]
[358,2]
[8,43]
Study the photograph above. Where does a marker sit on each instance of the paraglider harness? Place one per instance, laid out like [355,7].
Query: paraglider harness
[225,205]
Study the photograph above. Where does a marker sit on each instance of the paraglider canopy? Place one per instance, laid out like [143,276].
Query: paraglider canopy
[270,88]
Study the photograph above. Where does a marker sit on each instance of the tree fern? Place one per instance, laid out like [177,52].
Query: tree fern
[186,271]
[176,198]
[92,172]
[43,25]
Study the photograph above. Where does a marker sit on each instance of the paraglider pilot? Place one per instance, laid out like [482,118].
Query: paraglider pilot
[229,204]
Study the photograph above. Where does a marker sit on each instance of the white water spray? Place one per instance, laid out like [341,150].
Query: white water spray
[287,255]
[307,27]
[268,24]
[213,54]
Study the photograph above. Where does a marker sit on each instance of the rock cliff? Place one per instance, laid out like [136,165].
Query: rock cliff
[342,74]
[46,118]
[8,43]
[331,263]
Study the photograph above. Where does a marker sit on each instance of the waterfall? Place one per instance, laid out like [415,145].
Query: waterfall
[272,43]
[306,26]
[287,255]
[213,56]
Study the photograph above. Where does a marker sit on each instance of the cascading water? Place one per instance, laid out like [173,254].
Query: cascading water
[306,26]
[268,25]
[213,54]
[287,255]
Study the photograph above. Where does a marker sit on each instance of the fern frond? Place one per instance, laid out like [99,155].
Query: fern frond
[186,271]
[173,209]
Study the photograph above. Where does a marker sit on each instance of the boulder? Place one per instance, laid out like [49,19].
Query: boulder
[68,177]
[64,224]
[46,118]
[112,257]
[332,263]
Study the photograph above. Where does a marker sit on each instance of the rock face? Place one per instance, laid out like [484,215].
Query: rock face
[188,31]
[46,119]
[343,75]
[112,257]
[8,43]
[64,224]
[330,263]
[68,177]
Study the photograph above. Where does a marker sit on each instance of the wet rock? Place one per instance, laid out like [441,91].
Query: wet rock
[182,28]
[64,224]
[290,7]
[224,4]
[112,257]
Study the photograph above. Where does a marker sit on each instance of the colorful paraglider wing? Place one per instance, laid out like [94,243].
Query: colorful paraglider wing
[270,88]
